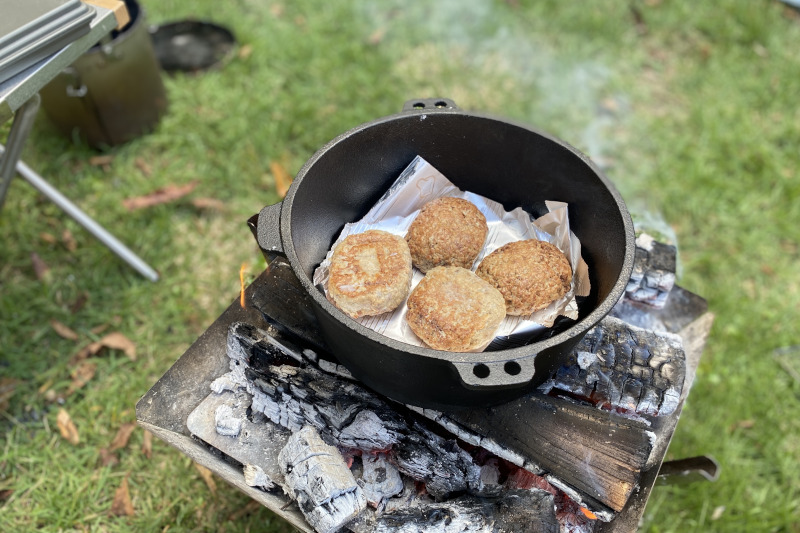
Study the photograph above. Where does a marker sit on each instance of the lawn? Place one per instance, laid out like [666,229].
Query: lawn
[691,108]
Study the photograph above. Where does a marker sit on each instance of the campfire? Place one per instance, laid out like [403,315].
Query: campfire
[260,401]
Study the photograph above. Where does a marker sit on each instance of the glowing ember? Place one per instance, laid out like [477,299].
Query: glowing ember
[241,283]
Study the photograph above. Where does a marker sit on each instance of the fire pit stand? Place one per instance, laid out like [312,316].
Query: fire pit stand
[608,459]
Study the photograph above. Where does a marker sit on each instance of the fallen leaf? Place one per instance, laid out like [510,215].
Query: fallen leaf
[122,506]
[245,51]
[108,458]
[147,444]
[40,268]
[8,386]
[282,178]
[6,494]
[49,238]
[87,351]
[208,203]
[97,330]
[81,375]
[717,514]
[101,160]
[163,195]
[743,424]
[79,303]
[276,10]
[69,240]
[63,331]
[67,428]
[122,436]
[118,341]
[377,36]
[638,20]
[208,477]
[143,166]
[45,386]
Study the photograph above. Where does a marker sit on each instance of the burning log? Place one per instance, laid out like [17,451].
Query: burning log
[351,417]
[624,368]
[317,477]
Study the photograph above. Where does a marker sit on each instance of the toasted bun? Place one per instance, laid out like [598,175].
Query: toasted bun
[530,274]
[446,232]
[453,309]
[370,273]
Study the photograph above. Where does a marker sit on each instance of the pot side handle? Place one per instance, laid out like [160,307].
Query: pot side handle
[429,104]
[496,374]
[266,228]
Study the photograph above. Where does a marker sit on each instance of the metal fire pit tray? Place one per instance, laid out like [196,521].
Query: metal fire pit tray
[166,407]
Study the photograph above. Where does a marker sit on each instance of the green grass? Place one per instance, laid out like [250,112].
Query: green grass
[691,107]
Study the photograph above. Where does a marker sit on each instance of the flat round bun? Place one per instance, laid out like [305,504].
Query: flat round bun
[446,232]
[530,274]
[453,309]
[370,273]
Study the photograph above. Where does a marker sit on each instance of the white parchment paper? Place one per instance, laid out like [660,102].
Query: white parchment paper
[420,183]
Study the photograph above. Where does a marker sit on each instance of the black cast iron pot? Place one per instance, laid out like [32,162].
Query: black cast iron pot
[508,162]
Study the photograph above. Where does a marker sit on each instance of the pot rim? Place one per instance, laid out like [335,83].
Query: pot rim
[580,327]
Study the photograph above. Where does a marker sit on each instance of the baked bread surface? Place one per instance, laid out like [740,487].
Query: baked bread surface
[369,273]
[452,309]
[530,274]
[446,232]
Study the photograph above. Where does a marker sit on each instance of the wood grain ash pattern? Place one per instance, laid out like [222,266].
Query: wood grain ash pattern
[653,275]
[621,367]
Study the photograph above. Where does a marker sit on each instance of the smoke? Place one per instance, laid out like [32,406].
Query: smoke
[486,59]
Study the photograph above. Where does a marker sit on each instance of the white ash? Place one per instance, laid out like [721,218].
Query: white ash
[310,354]
[255,476]
[226,382]
[317,477]
[528,511]
[367,432]
[333,368]
[379,480]
[585,359]
[226,422]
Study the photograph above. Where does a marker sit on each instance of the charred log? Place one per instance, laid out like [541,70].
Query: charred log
[522,511]
[349,416]
[653,273]
[624,368]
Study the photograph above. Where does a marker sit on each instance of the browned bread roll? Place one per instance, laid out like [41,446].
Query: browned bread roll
[446,232]
[453,309]
[370,273]
[530,274]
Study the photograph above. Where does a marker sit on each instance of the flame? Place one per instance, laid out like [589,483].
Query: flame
[588,514]
[241,283]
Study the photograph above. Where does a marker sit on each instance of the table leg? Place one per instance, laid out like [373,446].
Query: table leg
[23,122]
[10,163]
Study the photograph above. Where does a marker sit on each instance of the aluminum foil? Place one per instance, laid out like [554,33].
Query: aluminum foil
[421,183]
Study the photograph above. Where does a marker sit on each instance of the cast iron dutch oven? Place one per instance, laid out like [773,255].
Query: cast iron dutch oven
[509,162]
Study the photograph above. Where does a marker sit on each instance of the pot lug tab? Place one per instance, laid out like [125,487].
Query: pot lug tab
[496,373]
